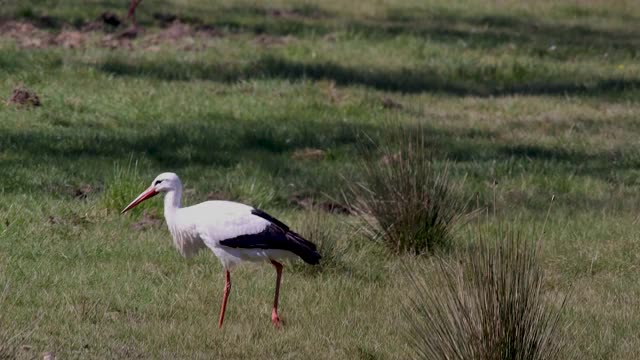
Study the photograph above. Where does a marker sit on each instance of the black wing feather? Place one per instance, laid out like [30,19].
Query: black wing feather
[276,235]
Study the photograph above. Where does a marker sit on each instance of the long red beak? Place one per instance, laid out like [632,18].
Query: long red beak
[147,194]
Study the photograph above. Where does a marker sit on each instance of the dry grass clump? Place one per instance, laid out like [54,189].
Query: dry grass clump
[488,303]
[405,200]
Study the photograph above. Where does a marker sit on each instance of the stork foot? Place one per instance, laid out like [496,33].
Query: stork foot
[275,319]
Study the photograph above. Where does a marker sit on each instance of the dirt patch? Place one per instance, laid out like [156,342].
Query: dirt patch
[82,191]
[218,195]
[54,220]
[24,97]
[334,207]
[119,41]
[25,34]
[271,40]
[333,93]
[148,221]
[181,33]
[28,35]
[294,14]
[390,103]
[111,19]
[176,31]
[389,159]
[106,21]
[70,39]
[306,202]
[309,154]
[164,18]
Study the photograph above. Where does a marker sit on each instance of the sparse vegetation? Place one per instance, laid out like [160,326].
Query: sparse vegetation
[489,302]
[405,200]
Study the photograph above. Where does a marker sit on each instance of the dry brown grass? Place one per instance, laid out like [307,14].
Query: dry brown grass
[405,200]
[489,302]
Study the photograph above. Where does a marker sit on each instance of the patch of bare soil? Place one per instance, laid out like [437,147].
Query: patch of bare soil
[82,191]
[390,103]
[70,39]
[25,34]
[218,195]
[121,40]
[24,97]
[294,14]
[333,93]
[111,19]
[165,18]
[334,207]
[106,21]
[389,159]
[309,154]
[306,202]
[54,220]
[181,33]
[148,221]
[28,35]
[271,40]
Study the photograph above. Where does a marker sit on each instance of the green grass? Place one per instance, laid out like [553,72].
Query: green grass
[522,100]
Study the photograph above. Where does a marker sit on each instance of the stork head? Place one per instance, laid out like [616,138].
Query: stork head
[164,182]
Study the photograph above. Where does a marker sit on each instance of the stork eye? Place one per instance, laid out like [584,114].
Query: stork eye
[157,182]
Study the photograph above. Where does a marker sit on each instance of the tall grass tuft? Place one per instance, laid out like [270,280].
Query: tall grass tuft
[124,185]
[488,303]
[406,201]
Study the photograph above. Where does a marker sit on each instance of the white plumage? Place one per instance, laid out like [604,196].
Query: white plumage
[234,232]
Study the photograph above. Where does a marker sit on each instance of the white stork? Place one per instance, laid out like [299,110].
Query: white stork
[234,232]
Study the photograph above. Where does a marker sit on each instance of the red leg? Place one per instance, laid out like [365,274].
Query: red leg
[274,313]
[132,10]
[225,296]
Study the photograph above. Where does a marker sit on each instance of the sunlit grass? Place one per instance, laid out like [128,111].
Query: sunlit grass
[522,100]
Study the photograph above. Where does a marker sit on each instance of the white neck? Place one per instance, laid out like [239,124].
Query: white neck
[171,204]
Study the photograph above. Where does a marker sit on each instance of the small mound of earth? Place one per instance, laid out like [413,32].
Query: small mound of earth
[389,159]
[165,18]
[294,14]
[176,31]
[25,34]
[111,19]
[218,195]
[269,40]
[304,201]
[24,97]
[70,39]
[106,21]
[82,191]
[389,103]
[309,154]
[148,221]
[334,207]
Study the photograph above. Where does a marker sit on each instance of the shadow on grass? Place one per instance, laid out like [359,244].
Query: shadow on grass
[475,80]
[216,141]
[485,31]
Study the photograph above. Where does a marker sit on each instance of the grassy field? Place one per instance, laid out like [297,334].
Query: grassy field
[524,100]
